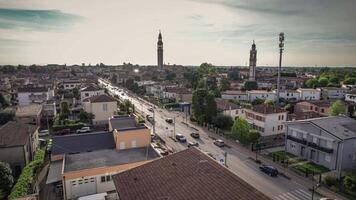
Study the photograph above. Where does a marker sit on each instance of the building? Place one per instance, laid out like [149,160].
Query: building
[128,133]
[309,94]
[30,114]
[261,94]
[160,52]
[350,96]
[90,91]
[321,107]
[234,95]
[29,95]
[267,119]
[253,61]
[333,92]
[289,95]
[18,143]
[179,94]
[71,84]
[228,108]
[102,106]
[188,174]
[328,141]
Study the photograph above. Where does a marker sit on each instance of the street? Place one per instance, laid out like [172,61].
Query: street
[278,188]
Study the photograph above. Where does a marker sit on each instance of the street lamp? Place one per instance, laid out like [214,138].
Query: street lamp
[281,48]
[313,190]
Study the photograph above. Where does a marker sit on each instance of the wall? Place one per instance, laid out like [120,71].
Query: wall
[141,136]
[15,156]
[88,94]
[101,116]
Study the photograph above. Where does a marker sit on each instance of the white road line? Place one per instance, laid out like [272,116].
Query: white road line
[304,193]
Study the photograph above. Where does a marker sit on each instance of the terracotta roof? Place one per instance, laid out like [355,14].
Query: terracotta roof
[223,104]
[15,133]
[100,98]
[267,109]
[321,103]
[188,174]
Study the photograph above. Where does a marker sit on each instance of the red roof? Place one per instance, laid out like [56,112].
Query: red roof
[188,174]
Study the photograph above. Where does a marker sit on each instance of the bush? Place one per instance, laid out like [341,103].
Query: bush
[72,127]
[6,115]
[27,177]
[350,183]
[330,181]
[223,121]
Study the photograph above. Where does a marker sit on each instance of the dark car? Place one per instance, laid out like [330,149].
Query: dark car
[193,144]
[181,138]
[63,132]
[219,143]
[270,170]
[195,135]
[169,120]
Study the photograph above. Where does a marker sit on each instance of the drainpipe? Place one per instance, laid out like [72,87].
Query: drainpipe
[340,168]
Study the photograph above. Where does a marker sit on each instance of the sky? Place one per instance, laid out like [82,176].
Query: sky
[317,32]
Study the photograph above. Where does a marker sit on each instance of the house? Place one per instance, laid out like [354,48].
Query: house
[333,92]
[30,114]
[289,95]
[350,96]
[228,108]
[29,95]
[102,106]
[18,143]
[71,84]
[128,133]
[90,91]
[328,141]
[188,174]
[267,119]
[309,94]
[321,107]
[177,93]
[261,94]
[234,95]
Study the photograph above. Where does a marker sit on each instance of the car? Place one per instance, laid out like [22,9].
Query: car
[270,170]
[193,144]
[181,138]
[169,120]
[195,135]
[219,143]
[63,131]
[150,109]
[43,133]
[84,129]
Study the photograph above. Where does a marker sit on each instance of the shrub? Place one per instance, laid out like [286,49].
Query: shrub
[74,126]
[330,181]
[350,183]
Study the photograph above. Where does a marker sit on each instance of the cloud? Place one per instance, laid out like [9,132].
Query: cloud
[38,20]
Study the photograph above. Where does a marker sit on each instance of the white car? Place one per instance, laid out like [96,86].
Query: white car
[85,129]
[43,133]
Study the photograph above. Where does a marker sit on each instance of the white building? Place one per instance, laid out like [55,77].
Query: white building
[101,106]
[290,95]
[29,95]
[309,93]
[261,94]
[266,119]
[350,96]
[71,84]
[333,92]
[228,108]
[90,91]
[234,95]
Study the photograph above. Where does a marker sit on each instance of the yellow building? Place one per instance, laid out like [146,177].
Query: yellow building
[102,106]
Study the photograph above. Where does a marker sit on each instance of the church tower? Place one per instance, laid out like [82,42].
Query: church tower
[160,52]
[253,61]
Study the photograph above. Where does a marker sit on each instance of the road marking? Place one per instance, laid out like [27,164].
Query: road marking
[298,194]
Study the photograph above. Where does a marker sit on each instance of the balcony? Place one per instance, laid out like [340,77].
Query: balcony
[320,148]
[298,140]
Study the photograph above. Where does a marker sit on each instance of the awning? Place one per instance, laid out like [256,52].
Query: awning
[55,172]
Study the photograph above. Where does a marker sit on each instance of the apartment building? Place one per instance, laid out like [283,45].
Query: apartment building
[90,91]
[261,94]
[328,141]
[309,94]
[102,106]
[289,95]
[333,92]
[33,95]
[234,95]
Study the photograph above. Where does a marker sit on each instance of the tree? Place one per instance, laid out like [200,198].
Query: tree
[170,76]
[311,83]
[224,84]
[350,182]
[6,178]
[269,102]
[257,101]
[337,108]
[206,69]
[250,85]
[253,136]
[211,109]
[86,117]
[240,130]
[198,104]
[64,113]
[3,102]
[223,121]
[76,93]
[350,81]
[6,115]
[323,82]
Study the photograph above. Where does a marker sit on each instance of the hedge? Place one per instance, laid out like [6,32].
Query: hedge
[27,177]
[70,126]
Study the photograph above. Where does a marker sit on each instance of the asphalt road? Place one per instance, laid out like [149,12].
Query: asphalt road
[278,188]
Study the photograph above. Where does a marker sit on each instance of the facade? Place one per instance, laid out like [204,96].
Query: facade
[230,109]
[333,93]
[71,84]
[102,106]
[160,52]
[90,91]
[234,95]
[309,94]
[328,141]
[261,94]
[320,107]
[266,119]
[350,96]
[290,95]
[30,95]
[18,144]
[253,61]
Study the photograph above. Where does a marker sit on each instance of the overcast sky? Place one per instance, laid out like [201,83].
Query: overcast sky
[318,32]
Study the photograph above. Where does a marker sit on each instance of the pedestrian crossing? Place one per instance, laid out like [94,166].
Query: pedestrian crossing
[298,194]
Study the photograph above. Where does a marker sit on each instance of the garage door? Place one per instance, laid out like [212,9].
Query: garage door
[83,187]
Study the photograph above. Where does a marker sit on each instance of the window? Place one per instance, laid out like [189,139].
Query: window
[108,178]
[315,140]
[133,143]
[86,94]
[105,107]
[327,158]
[122,145]
[294,133]
[311,107]
[292,145]
[102,179]
[322,110]
[329,144]
[273,128]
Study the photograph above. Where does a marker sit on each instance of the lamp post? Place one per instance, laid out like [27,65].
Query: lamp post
[313,190]
[281,48]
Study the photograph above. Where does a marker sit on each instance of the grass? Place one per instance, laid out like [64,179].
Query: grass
[284,156]
[311,167]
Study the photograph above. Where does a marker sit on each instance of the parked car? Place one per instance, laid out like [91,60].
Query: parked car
[163,152]
[219,143]
[180,138]
[270,170]
[195,135]
[43,133]
[193,144]
[84,129]
[169,120]
[63,131]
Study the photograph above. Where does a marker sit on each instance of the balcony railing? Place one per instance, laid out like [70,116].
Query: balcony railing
[298,140]
[320,148]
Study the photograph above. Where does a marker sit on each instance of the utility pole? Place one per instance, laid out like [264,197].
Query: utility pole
[281,48]
[154,122]
[174,127]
